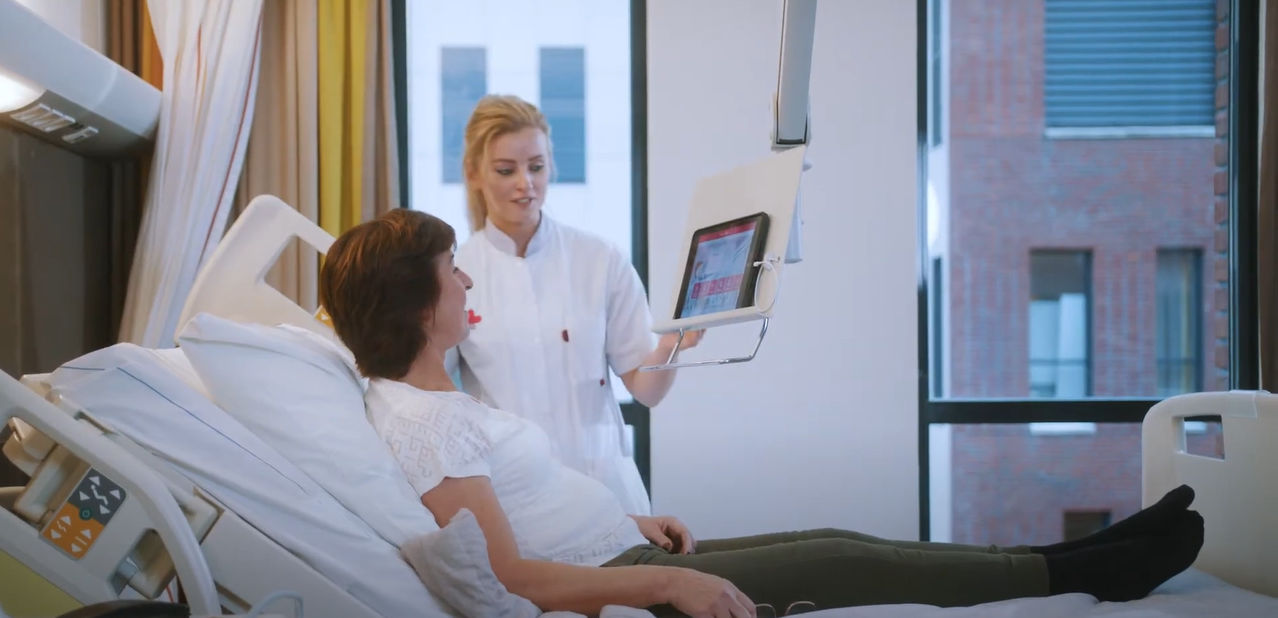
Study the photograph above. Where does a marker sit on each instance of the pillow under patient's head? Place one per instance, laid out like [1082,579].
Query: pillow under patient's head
[300,393]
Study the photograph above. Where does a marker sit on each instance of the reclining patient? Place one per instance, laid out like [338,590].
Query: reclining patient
[561,539]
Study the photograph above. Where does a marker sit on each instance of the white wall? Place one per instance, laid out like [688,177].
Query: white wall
[822,428]
[85,20]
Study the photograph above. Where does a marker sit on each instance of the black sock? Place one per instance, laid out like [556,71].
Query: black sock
[1129,569]
[1152,519]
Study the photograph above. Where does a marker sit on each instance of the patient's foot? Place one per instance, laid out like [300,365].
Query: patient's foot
[1148,521]
[1129,569]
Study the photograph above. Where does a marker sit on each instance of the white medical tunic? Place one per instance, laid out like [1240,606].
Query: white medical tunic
[550,325]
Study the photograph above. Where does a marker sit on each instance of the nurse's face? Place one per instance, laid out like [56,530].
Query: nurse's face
[449,325]
[514,175]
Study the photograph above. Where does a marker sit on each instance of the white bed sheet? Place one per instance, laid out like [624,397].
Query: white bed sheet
[1192,594]
[140,394]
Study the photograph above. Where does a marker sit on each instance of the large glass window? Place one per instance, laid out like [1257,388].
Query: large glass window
[1084,209]
[575,61]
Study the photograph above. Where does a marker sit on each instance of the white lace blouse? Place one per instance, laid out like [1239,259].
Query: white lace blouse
[557,513]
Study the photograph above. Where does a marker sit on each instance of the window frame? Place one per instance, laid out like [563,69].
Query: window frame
[1244,106]
[634,413]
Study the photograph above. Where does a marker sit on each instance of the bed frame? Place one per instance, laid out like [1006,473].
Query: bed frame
[58,444]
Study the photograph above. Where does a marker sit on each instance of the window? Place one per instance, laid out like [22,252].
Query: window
[1086,277]
[1058,325]
[563,100]
[1179,322]
[1129,64]
[463,81]
[458,51]
[1079,524]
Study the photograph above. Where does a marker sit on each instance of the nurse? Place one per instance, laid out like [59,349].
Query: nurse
[553,307]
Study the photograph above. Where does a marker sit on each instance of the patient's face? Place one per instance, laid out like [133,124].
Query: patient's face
[513,176]
[449,325]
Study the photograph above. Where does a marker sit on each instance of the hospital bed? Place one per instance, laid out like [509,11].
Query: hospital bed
[152,482]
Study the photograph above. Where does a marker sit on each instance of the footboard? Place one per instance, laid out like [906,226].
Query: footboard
[1237,495]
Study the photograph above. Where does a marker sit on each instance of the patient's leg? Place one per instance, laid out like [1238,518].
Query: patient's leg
[764,540]
[842,572]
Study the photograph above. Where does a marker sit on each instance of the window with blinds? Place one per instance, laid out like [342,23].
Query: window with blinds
[1130,63]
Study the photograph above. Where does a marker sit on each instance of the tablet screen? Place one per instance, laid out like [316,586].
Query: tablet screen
[718,269]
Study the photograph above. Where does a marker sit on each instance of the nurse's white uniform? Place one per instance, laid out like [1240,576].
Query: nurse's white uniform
[550,325]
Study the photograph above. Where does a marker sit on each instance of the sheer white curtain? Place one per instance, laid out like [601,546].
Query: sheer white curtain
[210,52]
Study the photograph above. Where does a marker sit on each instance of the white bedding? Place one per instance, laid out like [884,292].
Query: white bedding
[1192,594]
[138,392]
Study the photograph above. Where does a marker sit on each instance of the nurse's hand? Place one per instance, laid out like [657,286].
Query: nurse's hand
[690,340]
[667,533]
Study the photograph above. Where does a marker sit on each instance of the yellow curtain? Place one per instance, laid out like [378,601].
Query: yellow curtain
[358,163]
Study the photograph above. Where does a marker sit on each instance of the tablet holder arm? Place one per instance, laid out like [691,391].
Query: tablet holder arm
[768,264]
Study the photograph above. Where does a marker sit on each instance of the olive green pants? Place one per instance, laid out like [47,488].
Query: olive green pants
[837,568]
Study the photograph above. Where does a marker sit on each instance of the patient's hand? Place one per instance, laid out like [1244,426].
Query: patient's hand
[667,533]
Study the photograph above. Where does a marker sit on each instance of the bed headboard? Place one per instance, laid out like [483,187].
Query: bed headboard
[232,284]
[1237,495]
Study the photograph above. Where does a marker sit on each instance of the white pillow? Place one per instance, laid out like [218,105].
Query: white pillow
[453,564]
[299,392]
[134,392]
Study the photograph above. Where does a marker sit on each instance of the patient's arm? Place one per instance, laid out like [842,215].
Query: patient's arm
[550,586]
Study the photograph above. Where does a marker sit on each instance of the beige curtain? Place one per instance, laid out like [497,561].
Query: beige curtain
[283,150]
[331,60]
[1267,234]
[381,140]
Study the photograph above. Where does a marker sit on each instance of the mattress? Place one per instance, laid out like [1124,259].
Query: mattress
[1192,594]
[154,399]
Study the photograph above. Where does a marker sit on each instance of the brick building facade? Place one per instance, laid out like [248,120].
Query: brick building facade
[1022,200]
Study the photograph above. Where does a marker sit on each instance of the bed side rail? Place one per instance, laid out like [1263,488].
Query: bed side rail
[90,507]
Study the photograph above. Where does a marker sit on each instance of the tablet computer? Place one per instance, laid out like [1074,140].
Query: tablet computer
[720,274]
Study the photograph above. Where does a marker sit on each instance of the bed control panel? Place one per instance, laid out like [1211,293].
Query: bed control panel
[79,523]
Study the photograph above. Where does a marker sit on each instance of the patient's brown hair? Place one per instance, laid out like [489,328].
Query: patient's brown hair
[379,284]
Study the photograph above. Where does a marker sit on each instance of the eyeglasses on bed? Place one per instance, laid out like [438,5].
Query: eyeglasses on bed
[766,610]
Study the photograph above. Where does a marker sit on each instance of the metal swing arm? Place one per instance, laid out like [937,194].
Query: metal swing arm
[674,354]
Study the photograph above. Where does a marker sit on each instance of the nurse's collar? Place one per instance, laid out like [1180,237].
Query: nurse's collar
[506,244]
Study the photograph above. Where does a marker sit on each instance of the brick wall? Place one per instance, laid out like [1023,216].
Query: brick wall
[1013,190]
[1219,377]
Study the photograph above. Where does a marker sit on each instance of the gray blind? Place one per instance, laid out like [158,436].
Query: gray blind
[1117,63]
